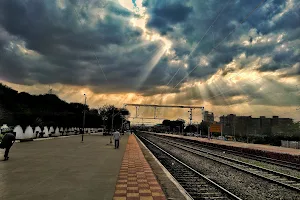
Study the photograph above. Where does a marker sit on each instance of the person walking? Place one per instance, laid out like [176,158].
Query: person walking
[8,140]
[117,136]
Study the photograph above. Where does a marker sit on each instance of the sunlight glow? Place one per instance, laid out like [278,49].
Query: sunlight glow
[140,21]
[26,51]
[150,66]
[137,46]
[61,4]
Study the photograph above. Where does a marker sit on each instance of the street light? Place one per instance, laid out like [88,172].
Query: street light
[83,123]
[104,118]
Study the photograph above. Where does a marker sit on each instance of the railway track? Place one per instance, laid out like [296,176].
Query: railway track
[197,185]
[279,178]
[282,163]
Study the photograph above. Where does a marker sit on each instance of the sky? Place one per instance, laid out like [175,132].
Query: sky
[230,56]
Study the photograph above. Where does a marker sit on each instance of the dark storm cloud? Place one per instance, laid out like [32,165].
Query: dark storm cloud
[234,12]
[75,43]
[164,15]
[72,51]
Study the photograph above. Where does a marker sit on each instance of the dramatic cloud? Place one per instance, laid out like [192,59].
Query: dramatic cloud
[215,53]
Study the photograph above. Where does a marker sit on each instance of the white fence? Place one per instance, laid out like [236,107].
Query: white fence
[290,144]
[31,133]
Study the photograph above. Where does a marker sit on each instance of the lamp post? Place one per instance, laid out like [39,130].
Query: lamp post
[104,118]
[83,123]
[112,121]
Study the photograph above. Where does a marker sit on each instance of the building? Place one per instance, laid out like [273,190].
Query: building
[209,117]
[246,125]
[160,128]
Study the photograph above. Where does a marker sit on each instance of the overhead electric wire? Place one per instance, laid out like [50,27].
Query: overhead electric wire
[196,46]
[214,48]
[97,59]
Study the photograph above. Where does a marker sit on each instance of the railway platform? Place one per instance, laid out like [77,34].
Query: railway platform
[275,152]
[136,180]
[66,168]
[62,168]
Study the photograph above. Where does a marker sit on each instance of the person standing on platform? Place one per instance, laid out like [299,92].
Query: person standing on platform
[8,140]
[117,136]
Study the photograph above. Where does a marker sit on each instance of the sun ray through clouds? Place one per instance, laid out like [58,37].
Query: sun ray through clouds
[140,20]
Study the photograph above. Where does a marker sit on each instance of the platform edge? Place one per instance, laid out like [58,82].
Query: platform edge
[171,178]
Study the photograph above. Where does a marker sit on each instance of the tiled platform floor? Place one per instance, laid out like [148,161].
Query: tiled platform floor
[136,180]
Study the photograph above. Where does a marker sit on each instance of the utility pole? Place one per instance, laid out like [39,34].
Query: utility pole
[234,132]
[112,126]
[83,123]
[122,123]
[104,118]
[112,120]
[191,115]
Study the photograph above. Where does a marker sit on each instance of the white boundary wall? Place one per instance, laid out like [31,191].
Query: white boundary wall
[31,132]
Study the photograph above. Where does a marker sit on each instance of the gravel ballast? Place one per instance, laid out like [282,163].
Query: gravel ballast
[247,160]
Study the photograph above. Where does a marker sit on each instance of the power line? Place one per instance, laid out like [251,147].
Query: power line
[214,48]
[97,59]
[199,41]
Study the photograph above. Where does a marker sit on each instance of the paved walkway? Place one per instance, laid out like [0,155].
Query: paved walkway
[262,147]
[62,169]
[136,180]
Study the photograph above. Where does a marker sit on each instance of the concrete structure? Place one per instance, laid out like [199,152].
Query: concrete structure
[37,130]
[161,128]
[246,125]
[28,132]
[31,133]
[46,131]
[19,132]
[209,117]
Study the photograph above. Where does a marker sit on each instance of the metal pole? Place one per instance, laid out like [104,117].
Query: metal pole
[191,116]
[83,124]
[234,132]
[221,129]
[112,120]
[203,114]
[136,111]
[122,125]
[112,125]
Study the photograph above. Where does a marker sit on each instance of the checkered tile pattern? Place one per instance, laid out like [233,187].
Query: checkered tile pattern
[136,180]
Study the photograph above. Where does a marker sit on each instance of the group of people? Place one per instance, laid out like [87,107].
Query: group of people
[7,139]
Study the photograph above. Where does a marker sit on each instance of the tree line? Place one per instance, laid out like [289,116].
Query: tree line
[21,108]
